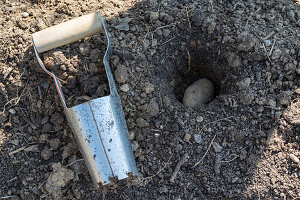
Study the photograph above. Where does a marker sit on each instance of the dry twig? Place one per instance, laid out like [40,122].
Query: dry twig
[227,161]
[150,177]
[189,61]
[266,52]
[268,36]
[164,26]
[16,151]
[178,166]
[136,82]
[74,162]
[7,73]
[8,197]
[16,100]
[32,125]
[270,53]
[167,41]
[224,119]
[188,17]
[209,146]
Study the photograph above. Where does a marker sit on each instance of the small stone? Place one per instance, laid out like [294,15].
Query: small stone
[71,82]
[123,26]
[276,54]
[162,15]
[93,69]
[187,137]
[95,55]
[243,155]
[198,138]
[154,43]
[244,84]
[198,17]
[199,118]
[59,177]
[272,103]
[159,32]
[168,19]
[39,104]
[84,49]
[142,123]
[131,135]
[292,113]
[247,97]
[25,14]
[234,60]
[291,15]
[200,92]
[152,108]
[9,9]
[146,44]
[12,111]
[15,142]
[54,59]
[47,127]
[193,44]
[124,88]
[41,24]
[54,143]
[178,148]
[36,190]
[267,42]
[235,179]
[3,118]
[246,42]
[211,27]
[43,138]
[217,147]
[154,16]
[69,150]
[209,23]
[57,118]
[46,153]
[278,114]
[134,145]
[294,158]
[166,32]
[148,88]
[284,98]
[121,74]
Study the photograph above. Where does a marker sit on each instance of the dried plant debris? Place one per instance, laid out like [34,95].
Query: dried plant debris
[243,144]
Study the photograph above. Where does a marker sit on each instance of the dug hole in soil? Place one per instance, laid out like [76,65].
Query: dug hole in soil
[244,144]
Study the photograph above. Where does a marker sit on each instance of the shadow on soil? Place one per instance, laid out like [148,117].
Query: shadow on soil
[190,55]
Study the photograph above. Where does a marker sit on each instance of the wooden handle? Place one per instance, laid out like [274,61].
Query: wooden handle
[67,32]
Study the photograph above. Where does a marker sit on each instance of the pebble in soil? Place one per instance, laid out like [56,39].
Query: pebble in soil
[59,177]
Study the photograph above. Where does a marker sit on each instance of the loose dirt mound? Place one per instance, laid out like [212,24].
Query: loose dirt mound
[242,145]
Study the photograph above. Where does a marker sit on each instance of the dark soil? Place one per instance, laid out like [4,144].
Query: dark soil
[242,145]
[80,69]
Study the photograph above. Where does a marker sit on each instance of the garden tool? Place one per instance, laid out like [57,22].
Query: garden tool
[99,125]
